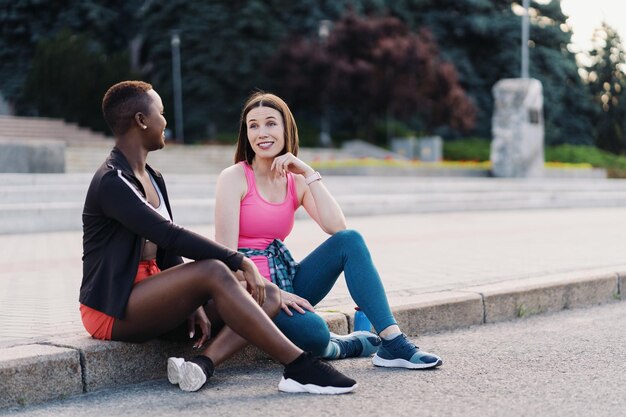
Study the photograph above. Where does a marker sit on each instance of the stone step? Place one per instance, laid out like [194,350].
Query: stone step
[27,188]
[32,128]
[66,215]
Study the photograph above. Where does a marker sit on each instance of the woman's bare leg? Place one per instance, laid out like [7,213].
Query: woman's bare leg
[160,303]
[227,342]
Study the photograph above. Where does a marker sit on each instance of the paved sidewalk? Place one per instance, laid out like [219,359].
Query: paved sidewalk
[416,254]
[442,271]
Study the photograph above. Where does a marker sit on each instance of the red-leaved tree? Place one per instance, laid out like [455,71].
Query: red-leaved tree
[372,68]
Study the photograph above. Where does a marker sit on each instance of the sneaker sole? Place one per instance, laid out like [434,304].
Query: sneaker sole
[192,378]
[290,385]
[402,363]
[173,369]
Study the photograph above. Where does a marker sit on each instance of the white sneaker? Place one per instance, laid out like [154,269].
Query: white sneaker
[192,377]
[189,375]
[174,366]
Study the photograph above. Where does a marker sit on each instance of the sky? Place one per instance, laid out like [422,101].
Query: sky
[586,15]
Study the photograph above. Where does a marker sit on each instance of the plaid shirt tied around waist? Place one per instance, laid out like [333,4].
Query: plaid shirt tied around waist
[282,266]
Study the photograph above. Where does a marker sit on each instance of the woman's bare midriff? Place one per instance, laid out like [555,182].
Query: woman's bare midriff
[149,251]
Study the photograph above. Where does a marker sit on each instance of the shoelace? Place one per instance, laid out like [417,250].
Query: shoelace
[405,345]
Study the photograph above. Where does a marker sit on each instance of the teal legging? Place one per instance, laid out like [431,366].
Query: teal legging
[345,252]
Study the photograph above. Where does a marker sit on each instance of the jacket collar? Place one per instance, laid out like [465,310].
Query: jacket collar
[117,160]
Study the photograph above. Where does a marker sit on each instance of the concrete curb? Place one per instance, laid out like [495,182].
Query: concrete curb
[36,373]
[61,367]
[518,299]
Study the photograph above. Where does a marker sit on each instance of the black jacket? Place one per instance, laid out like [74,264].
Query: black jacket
[116,219]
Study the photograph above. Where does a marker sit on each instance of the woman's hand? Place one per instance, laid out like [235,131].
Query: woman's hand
[297,303]
[289,162]
[255,283]
[199,318]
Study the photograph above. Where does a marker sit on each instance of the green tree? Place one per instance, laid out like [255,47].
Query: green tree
[482,39]
[223,49]
[374,68]
[479,37]
[111,24]
[226,46]
[567,103]
[606,80]
[69,75]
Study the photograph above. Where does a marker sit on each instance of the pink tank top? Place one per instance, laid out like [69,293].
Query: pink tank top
[260,222]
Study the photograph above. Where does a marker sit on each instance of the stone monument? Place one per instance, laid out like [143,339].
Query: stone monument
[517,128]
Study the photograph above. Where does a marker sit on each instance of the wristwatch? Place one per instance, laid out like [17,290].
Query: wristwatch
[316,176]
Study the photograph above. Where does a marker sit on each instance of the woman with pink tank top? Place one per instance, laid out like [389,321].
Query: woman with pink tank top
[256,201]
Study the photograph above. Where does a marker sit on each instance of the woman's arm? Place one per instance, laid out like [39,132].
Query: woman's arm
[230,189]
[322,206]
[316,199]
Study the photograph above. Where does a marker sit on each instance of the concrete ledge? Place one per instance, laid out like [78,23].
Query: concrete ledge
[73,364]
[337,321]
[517,299]
[107,364]
[35,373]
[438,311]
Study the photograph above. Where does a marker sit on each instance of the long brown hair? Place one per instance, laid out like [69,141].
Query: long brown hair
[244,151]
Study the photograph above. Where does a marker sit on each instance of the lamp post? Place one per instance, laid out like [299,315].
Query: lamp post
[325,139]
[525,25]
[178,93]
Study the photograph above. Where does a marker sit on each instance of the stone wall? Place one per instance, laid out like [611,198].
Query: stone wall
[40,156]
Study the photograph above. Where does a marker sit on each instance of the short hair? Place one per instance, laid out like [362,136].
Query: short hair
[122,101]
[244,151]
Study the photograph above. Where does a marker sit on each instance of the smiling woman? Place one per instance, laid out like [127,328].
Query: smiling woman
[256,200]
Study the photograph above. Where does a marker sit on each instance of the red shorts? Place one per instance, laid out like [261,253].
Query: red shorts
[100,325]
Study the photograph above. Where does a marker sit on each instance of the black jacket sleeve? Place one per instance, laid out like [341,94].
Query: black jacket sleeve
[120,200]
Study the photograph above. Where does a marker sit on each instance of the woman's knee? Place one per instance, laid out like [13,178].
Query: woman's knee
[318,336]
[214,274]
[349,236]
[272,300]
[307,331]
[350,242]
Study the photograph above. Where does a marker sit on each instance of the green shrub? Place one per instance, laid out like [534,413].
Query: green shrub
[476,149]
[589,154]
[472,149]
[614,164]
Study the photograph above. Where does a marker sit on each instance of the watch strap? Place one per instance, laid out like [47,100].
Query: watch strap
[316,176]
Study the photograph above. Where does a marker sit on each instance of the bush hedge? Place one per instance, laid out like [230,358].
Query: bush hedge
[476,149]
